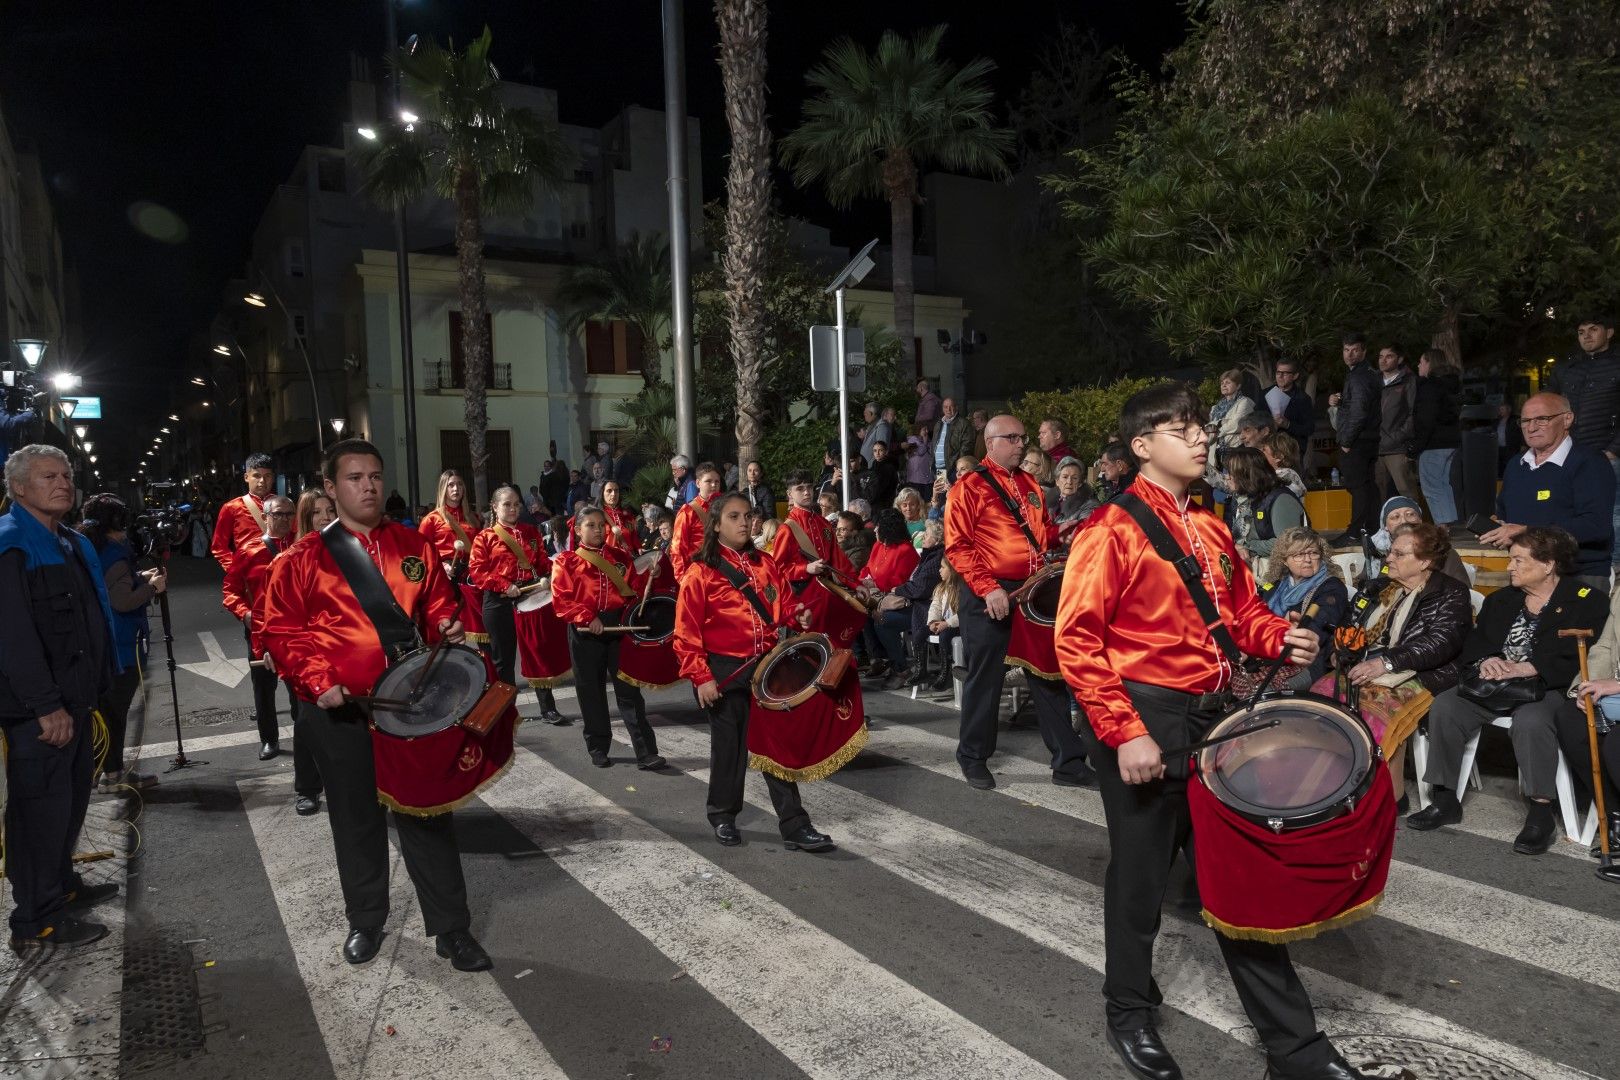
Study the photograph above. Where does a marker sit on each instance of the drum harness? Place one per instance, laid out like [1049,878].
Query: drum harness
[740,582]
[395,630]
[1017,514]
[512,545]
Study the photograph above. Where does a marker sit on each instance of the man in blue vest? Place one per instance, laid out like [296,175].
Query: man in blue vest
[56,659]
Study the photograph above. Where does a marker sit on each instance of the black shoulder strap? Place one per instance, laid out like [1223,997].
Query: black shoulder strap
[1187,568]
[740,582]
[395,629]
[1012,506]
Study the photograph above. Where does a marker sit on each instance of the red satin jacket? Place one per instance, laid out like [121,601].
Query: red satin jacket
[436,527]
[493,567]
[1125,614]
[245,585]
[711,616]
[236,529]
[580,592]
[785,547]
[687,535]
[982,541]
[314,628]
[622,530]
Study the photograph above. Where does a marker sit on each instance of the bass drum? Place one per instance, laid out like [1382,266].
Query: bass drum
[806,720]
[1038,596]
[645,657]
[657,614]
[1295,824]
[793,672]
[447,692]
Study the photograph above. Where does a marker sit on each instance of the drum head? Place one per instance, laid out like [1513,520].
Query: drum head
[1307,769]
[454,684]
[657,613]
[535,599]
[647,561]
[1041,603]
[787,675]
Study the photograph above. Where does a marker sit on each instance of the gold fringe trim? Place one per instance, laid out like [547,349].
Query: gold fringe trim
[819,771]
[477,639]
[445,808]
[554,681]
[1361,911]
[645,685]
[1049,676]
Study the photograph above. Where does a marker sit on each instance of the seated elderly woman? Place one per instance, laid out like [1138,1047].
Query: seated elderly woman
[1603,687]
[1516,639]
[1399,511]
[914,510]
[1402,649]
[890,564]
[1300,575]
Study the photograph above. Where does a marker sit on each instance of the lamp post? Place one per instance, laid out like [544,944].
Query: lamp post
[402,271]
[32,350]
[338,424]
[680,245]
[256,299]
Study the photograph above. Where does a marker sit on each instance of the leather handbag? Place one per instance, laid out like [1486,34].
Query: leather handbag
[1500,696]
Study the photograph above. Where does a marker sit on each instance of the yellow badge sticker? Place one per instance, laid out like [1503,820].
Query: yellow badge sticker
[1583,591]
[1259,515]
[413,568]
[1543,495]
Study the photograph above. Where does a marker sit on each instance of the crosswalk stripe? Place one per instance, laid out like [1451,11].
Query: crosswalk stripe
[1041,904]
[62,1008]
[1571,943]
[823,1005]
[407,1013]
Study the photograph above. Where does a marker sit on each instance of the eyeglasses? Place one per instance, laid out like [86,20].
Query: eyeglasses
[1192,434]
[280,513]
[1284,371]
[1019,438]
[1395,554]
[1314,555]
[1533,422]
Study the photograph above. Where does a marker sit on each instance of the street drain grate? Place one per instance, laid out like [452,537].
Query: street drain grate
[162,1014]
[1383,1058]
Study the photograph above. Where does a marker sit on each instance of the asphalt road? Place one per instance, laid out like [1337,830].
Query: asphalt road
[953,932]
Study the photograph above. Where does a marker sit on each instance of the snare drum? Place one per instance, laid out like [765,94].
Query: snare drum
[806,719]
[1032,637]
[1295,824]
[535,597]
[1037,597]
[792,673]
[645,657]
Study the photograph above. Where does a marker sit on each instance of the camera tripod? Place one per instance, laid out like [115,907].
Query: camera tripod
[180,761]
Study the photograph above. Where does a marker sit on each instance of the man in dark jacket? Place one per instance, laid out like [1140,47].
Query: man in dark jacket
[1395,473]
[56,659]
[1590,378]
[1360,413]
[1298,415]
[1436,433]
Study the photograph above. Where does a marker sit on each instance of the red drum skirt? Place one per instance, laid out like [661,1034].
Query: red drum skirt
[472,614]
[435,774]
[813,740]
[832,615]
[651,665]
[1033,647]
[542,647]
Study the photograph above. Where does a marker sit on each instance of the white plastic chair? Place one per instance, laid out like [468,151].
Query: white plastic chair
[1575,829]
[1476,600]
[1472,571]
[1350,564]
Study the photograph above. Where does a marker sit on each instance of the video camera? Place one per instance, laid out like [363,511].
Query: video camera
[161,527]
[23,391]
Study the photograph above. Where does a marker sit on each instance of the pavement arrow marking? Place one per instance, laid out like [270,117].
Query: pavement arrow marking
[219,667]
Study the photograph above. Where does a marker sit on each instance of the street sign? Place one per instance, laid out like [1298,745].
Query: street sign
[824,362]
[85,408]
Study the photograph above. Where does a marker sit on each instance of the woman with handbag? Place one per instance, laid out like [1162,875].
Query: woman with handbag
[1301,574]
[1603,686]
[1405,643]
[1515,664]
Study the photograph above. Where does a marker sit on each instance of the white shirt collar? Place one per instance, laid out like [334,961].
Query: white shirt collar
[1559,455]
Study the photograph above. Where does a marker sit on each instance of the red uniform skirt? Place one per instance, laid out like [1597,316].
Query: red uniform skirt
[472,614]
[542,647]
[1033,647]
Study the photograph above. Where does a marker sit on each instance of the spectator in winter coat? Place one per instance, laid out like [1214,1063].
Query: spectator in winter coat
[1590,379]
[1436,434]
[1360,410]
[1395,425]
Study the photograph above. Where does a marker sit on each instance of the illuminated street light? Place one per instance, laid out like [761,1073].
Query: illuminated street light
[173,417]
[165,431]
[198,380]
[254,299]
[368,134]
[338,424]
[64,381]
[33,351]
[81,430]
[408,117]
[223,350]
[92,459]
[88,446]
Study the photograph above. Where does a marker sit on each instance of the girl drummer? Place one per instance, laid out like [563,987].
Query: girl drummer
[508,559]
[719,631]
[451,529]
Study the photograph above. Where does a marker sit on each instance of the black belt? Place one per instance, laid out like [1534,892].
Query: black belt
[1217,701]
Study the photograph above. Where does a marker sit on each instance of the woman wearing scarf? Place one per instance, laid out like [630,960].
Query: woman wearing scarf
[1301,574]
[1415,626]
[1403,511]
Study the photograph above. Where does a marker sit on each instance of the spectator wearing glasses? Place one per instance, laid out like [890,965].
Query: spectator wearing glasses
[1557,482]
[1301,574]
[1291,407]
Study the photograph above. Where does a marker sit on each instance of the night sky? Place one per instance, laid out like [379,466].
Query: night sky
[201,108]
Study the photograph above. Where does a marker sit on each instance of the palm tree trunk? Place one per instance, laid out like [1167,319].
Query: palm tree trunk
[474,345]
[900,180]
[652,361]
[748,195]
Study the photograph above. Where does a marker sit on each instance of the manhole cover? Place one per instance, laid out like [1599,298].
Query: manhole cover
[213,716]
[162,1015]
[1384,1058]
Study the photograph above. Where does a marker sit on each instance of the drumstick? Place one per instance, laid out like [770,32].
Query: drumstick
[531,586]
[623,629]
[1193,748]
[1606,869]
[391,704]
[1306,617]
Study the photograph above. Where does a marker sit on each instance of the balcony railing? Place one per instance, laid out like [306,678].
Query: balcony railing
[442,375]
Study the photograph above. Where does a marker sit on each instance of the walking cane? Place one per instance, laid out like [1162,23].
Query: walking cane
[1606,868]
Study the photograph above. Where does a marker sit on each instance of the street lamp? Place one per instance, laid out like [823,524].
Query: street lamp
[81,430]
[88,446]
[33,351]
[338,424]
[63,381]
[257,300]
[67,405]
[173,417]
[223,350]
[198,380]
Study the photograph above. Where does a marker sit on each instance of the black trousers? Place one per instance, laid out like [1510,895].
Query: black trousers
[596,663]
[114,709]
[47,793]
[728,755]
[1358,472]
[984,643]
[265,682]
[500,623]
[1148,826]
[341,743]
[306,774]
[1570,720]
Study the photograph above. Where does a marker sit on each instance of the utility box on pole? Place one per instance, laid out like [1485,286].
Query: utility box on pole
[824,358]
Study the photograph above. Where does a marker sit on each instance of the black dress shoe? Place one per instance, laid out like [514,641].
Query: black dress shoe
[463,951]
[805,838]
[599,758]
[555,718]
[897,680]
[726,832]
[1445,810]
[65,933]
[88,896]
[306,805]
[362,945]
[1403,805]
[1539,832]
[1144,1054]
[1081,776]
[1336,1069]
[978,776]
[651,762]
[269,750]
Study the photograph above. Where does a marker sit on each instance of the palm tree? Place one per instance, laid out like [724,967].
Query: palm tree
[875,118]
[748,199]
[631,285]
[468,146]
